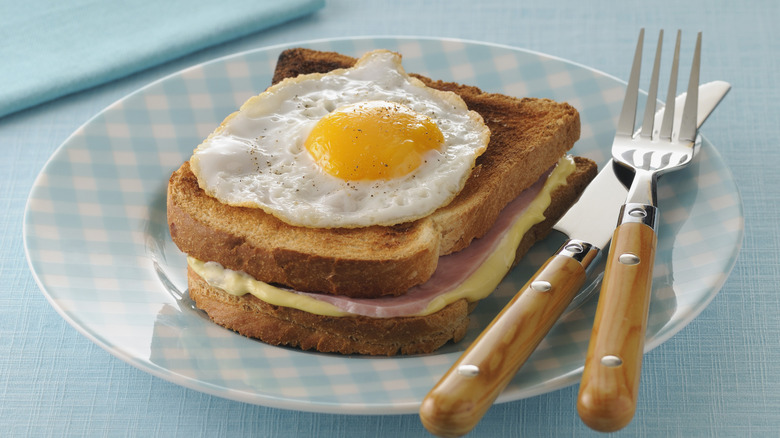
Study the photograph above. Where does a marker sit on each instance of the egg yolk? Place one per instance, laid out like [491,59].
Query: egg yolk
[373,141]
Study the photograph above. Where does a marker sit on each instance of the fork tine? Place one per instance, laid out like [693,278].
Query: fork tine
[649,118]
[628,112]
[688,125]
[671,94]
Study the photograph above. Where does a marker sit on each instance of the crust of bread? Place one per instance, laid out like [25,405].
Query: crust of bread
[355,260]
[528,136]
[275,325]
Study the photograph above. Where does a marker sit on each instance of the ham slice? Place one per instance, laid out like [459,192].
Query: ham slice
[452,270]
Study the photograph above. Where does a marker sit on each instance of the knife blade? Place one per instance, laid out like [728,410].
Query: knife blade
[459,400]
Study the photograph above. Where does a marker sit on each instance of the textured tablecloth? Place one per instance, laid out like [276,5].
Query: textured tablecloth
[720,376]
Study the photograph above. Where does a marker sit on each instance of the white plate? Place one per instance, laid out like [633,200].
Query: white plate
[97,241]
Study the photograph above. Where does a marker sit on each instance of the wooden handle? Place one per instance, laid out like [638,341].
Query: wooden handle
[610,382]
[460,399]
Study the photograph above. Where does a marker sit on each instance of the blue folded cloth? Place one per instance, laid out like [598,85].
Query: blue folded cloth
[50,48]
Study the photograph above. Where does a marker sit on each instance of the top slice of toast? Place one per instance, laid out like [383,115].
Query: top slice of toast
[528,136]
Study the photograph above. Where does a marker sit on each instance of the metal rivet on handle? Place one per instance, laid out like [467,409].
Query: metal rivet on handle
[628,259]
[637,212]
[611,361]
[541,286]
[468,370]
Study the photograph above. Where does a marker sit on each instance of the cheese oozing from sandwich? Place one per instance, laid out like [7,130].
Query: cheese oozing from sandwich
[472,283]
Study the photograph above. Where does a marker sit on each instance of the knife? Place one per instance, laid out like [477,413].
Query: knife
[459,400]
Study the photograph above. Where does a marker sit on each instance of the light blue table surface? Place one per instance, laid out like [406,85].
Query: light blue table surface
[719,376]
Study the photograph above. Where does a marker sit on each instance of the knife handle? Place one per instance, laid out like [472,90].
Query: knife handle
[459,400]
[610,382]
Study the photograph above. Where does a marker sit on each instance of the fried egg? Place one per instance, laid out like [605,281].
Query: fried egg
[368,145]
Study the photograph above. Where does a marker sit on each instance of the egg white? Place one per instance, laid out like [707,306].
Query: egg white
[257,158]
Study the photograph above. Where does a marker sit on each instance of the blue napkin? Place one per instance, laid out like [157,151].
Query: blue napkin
[50,48]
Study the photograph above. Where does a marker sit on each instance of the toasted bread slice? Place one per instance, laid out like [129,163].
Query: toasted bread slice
[528,136]
[277,325]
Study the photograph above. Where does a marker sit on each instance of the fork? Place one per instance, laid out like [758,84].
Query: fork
[610,381]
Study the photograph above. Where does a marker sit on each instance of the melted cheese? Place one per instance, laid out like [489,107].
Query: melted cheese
[478,286]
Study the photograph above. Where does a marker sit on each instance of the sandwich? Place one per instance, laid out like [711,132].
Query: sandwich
[354,208]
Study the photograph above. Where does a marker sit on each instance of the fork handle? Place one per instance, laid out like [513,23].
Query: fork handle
[610,382]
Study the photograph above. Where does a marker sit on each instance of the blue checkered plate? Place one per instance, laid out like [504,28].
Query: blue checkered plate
[97,241]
